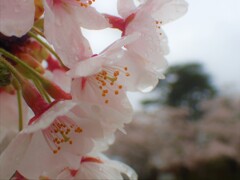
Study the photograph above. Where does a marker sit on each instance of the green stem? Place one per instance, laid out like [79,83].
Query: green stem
[20,79]
[46,46]
[38,31]
[20,111]
[17,75]
[19,100]
[23,64]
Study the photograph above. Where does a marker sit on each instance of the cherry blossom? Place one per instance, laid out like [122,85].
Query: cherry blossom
[147,19]
[17,18]
[62,27]
[79,99]
[61,132]
[90,167]
[97,167]
[105,78]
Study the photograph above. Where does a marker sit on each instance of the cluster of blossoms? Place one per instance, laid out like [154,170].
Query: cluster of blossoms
[74,100]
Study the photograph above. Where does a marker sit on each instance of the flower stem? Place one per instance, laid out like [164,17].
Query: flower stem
[32,97]
[19,100]
[17,75]
[42,90]
[47,47]
[38,31]
[20,79]
[20,113]
[23,64]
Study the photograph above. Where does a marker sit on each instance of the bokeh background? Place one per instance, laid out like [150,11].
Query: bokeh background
[189,126]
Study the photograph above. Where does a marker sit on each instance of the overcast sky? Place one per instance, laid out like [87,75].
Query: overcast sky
[208,33]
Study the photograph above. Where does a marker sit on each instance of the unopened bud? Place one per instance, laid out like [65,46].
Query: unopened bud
[31,61]
[33,98]
[38,9]
[55,91]
[5,75]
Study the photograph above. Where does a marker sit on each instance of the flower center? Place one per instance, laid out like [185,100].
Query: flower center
[85,3]
[158,26]
[60,132]
[107,80]
[82,3]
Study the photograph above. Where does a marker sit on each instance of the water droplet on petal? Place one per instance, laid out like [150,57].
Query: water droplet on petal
[147,83]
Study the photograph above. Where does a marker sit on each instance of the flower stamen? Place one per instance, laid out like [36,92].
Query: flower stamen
[60,132]
[106,80]
[85,3]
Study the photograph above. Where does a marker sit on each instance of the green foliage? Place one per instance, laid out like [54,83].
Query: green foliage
[185,86]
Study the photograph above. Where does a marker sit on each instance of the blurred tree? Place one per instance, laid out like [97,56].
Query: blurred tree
[185,86]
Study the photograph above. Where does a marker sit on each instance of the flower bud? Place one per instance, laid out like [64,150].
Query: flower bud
[55,91]
[31,61]
[33,98]
[38,9]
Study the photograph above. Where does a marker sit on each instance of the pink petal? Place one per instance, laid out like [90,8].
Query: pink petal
[38,158]
[141,78]
[150,46]
[89,18]
[9,111]
[57,31]
[166,10]
[88,93]
[61,79]
[47,118]
[87,67]
[17,17]
[94,64]
[125,7]
[11,158]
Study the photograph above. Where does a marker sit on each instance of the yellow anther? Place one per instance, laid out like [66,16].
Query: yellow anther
[78,130]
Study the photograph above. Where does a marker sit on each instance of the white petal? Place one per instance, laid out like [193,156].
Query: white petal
[65,174]
[59,109]
[150,46]
[90,93]
[61,79]
[87,67]
[13,155]
[125,7]
[141,77]
[117,45]
[94,65]
[6,136]
[9,111]
[86,116]
[17,17]
[69,43]
[38,158]
[97,171]
[166,10]
[125,169]
[89,18]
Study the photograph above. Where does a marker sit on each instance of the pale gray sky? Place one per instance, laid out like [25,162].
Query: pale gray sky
[209,32]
